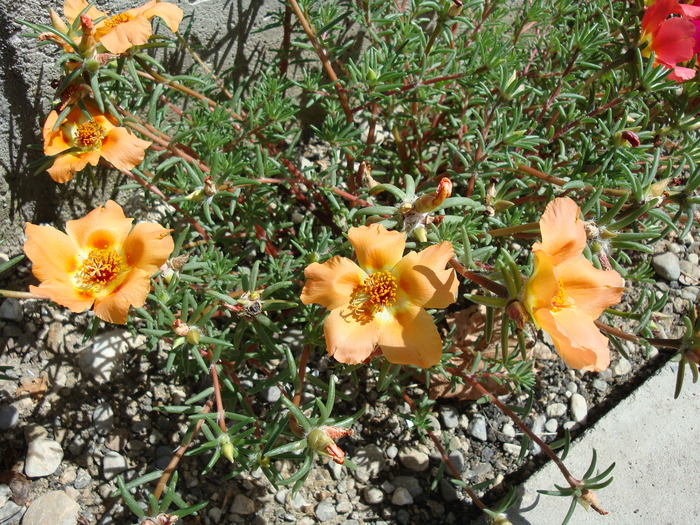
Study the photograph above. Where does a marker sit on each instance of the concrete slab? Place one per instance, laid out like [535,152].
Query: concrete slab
[652,439]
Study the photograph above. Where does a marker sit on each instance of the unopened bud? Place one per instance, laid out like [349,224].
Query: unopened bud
[371,74]
[631,137]
[658,188]
[321,440]
[193,336]
[227,448]
[430,201]
[500,205]
[455,9]
[92,65]
[420,233]
[518,313]
[500,519]
[209,186]
[196,196]
[57,22]
[312,257]
[589,500]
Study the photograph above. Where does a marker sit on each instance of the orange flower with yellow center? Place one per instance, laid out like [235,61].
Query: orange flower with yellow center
[100,261]
[82,139]
[131,28]
[566,293]
[381,302]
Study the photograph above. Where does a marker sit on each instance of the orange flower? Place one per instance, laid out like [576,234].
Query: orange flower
[671,39]
[82,139]
[382,301]
[100,260]
[130,28]
[566,293]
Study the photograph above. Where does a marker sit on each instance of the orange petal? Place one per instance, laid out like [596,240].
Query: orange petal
[120,38]
[376,247]
[133,291]
[563,235]
[65,167]
[72,8]
[52,252]
[122,149]
[591,289]
[542,285]
[148,246]
[577,340]
[54,140]
[347,340]
[423,280]
[169,13]
[102,228]
[410,337]
[330,284]
[65,294]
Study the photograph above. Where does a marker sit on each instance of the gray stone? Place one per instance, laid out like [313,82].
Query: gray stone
[449,416]
[690,270]
[55,508]
[242,505]
[571,387]
[409,483]
[579,408]
[433,423]
[298,501]
[556,410]
[344,507]
[271,394]
[113,464]
[401,496]
[11,310]
[413,459]
[477,428]
[9,415]
[511,448]
[11,513]
[457,459]
[337,471]
[82,479]
[508,430]
[103,418]
[667,265]
[281,496]
[5,493]
[391,451]
[373,496]
[622,367]
[369,461]
[551,425]
[325,511]
[388,487]
[599,385]
[43,458]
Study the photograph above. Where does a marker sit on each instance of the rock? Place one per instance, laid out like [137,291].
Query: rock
[337,470]
[542,352]
[388,487]
[449,416]
[409,483]
[448,491]
[551,426]
[401,496]
[281,496]
[11,513]
[433,423]
[82,479]
[477,428]
[599,385]
[102,359]
[298,501]
[373,496]
[54,507]
[391,451]
[508,430]
[369,461]
[690,270]
[113,464]
[457,459]
[5,493]
[556,410]
[667,265]
[325,511]
[9,415]
[43,458]
[622,367]
[11,310]
[103,418]
[571,387]
[271,394]
[579,409]
[511,448]
[413,459]
[242,505]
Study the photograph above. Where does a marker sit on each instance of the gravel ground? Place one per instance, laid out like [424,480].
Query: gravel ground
[77,415]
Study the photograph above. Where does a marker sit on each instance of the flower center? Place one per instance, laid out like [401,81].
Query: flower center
[377,292]
[89,134]
[561,300]
[99,269]
[118,19]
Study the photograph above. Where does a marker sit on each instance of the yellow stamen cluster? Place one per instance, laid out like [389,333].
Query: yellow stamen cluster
[100,268]
[561,300]
[377,292]
[118,19]
[89,134]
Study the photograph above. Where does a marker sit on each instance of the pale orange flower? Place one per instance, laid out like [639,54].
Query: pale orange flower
[82,139]
[382,301]
[131,28]
[566,293]
[100,260]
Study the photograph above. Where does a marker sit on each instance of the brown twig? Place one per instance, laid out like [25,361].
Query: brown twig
[481,280]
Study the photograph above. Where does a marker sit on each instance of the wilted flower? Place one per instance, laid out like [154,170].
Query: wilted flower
[430,201]
[382,301]
[671,39]
[131,28]
[566,293]
[83,139]
[322,440]
[100,261]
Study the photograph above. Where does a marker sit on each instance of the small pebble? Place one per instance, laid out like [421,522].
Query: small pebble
[667,265]
[54,507]
[600,385]
[11,310]
[43,458]
[551,425]
[103,418]
[9,415]
[373,496]
[401,496]
[391,451]
[556,410]
[113,464]
[508,430]
[579,408]
[325,511]
[413,459]
[450,417]
[477,428]
[242,505]
[622,367]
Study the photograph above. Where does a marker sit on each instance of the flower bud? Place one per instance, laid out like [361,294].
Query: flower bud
[57,22]
[227,448]
[631,137]
[430,201]
[180,328]
[193,335]
[500,519]
[320,439]
[87,43]
[518,313]
[209,186]
[92,65]
[420,233]
[371,74]
[589,501]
